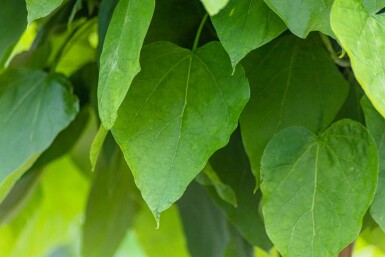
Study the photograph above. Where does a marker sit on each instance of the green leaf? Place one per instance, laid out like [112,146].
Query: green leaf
[110,209]
[181,108]
[119,61]
[214,6]
[373,6]
[208,177]
[304,16]
[34,108]
[376,126]
[238,246]
[97,145]
[232,166]
[11,10]
[251,22]
[205,224]
[361,35]
[303,88]
[316,189]
[41,8]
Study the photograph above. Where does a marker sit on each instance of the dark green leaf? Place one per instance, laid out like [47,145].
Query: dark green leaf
[251,22]
[181,108]
[317,189]
[303,88]
[376,126]
[238,246]
[304,16]
[361,35]
[119,61]
[232,166]
[205,224]
[34,108]
[111,207]
[15,11]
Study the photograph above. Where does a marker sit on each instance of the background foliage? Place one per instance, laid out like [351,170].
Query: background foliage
[235,127]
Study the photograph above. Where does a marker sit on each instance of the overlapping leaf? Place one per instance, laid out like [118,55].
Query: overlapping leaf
[303,88]
[119,61]
[376,126]
[250,22]
[361,35]
[304,16]
[181,108]
[317,189]
[34,108]
[40,8]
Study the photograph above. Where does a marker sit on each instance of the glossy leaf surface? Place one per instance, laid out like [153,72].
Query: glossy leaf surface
[361,35]
[304,88]
[34,108]
[251,22]
[317,189]
[181,108]
[119,60]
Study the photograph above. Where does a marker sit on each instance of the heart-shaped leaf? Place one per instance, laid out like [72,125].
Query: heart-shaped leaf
[181,108]
[361,35]
[316,189]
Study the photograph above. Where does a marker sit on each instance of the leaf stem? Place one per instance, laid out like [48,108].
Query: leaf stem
[197,37]
[337,59]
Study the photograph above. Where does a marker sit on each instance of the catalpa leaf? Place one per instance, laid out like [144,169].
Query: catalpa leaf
[251,22]
[119,60]
[303,88]
[317,189]
[373,6]
[361,35]
[304,16]
[40,8]
[34,108]
[376,126]
[214,6]
[181,108]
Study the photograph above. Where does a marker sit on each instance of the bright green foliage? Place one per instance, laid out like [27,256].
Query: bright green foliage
[322,185]
[34,108]
[248,21]
[376,126]
[361,35]
[304,16]
[304,89]
[181,108]
[120,56]
[40,8]
[221,106]
[11,10]
[214,6]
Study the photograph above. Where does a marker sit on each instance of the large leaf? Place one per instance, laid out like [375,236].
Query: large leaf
[111,207]
[303,88]
[376,126]
[316,189]
[40,8]
[214,6]
[181,108]
[251,22]
[34,108]
[205,224]
[11,10]
[232,166]
[361,35]
[119,61]
[304,16]
[374,6]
